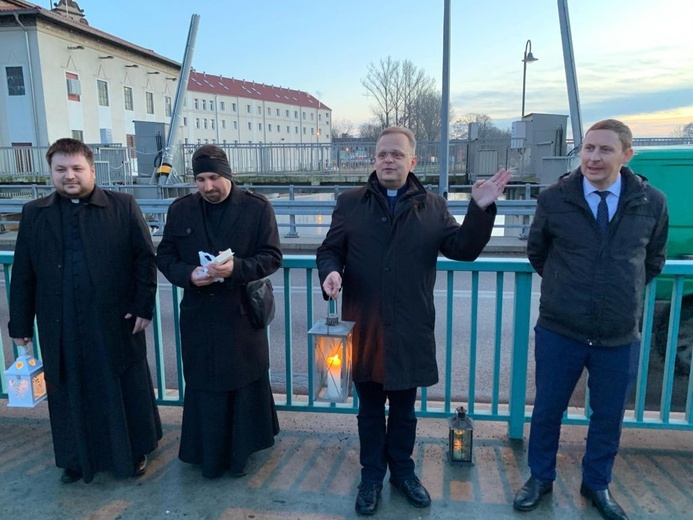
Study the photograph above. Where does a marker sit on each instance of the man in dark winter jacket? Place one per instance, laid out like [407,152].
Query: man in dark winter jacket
[382,247]
[598,237]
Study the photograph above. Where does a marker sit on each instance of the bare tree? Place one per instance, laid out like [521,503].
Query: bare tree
[342,128]
[487,129]
[370,131]
[683,131]
[404,96]
[382,84]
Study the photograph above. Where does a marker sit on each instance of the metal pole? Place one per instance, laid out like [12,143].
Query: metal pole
[166,167]
[570,74]
[445,108]
[527,58]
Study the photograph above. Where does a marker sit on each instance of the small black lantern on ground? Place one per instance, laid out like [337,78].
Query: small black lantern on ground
[461,438]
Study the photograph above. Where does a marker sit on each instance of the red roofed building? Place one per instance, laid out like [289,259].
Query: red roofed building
[227,110]
[59,77]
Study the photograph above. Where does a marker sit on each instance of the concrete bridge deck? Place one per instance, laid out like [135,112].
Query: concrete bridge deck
[312,473]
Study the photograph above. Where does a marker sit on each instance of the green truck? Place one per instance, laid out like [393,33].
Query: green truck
[670,168]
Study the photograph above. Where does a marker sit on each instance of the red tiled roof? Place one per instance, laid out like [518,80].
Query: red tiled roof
[21,7]
[211,84]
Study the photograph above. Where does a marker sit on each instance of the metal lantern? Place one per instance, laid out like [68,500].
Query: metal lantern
[461,438]
[26,386]
[332,344]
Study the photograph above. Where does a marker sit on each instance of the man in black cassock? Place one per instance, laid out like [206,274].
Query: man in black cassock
[84,268]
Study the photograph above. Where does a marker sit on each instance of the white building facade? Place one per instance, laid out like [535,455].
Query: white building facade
[60,77]
[63,78]
[230,111]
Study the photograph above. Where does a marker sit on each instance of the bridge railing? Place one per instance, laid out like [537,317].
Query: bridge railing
[483,353]
[296,209]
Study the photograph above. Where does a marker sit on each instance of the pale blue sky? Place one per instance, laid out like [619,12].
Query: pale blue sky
[634,59]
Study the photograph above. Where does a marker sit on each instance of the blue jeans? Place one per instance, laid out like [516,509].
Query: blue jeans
[386,445]
[559,364]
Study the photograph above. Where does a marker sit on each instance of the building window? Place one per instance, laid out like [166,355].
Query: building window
[211,122]
[222,107]
[127,98]
[204,104]
[279,129]
[304,130]
[78,134]
[312,131]
[102,88]
[223,124]
[295,114]
[312,116]
[196,103]
[250,125]
[304,115]
[211,106]
[248,108]
[319,117]
[233,106]
[287,113]
[259,126]
[269,111]
[259,109]
[167,105]
[235,125]
[197,122]
[185,121]
[15,81]
[149,98]
[204,123]
[74,87]
[277,112]
[288,129]
[327,115]
[269,128]
[296,129]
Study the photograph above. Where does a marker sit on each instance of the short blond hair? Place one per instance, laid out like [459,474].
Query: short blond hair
[401,130]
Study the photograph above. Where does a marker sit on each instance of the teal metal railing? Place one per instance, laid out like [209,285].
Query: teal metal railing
[484,351]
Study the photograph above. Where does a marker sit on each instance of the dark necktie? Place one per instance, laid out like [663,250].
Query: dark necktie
[603,211]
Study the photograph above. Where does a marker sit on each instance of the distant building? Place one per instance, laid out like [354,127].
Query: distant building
[61,77]
[227,110]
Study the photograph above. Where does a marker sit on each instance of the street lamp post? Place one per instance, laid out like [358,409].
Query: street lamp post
[528,58]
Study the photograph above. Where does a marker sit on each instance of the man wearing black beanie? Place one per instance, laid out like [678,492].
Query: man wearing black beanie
[229,411]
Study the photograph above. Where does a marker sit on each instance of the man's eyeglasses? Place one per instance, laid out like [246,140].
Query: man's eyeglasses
[397,155]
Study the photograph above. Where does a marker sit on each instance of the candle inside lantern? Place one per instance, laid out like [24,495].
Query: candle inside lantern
[334,377]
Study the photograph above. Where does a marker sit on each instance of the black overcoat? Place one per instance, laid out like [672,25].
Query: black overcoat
[388,268]
[222,351]
[120,258]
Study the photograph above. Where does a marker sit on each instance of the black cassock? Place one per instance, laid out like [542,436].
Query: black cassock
[99,421]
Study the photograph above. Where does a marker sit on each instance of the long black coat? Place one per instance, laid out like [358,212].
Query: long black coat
[388,268]
[120,258]
[222,351]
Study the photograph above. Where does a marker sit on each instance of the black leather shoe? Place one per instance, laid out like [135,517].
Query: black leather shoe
[140,466]
[367,499]
[70,475]
[529,496]
[414,491]
[604,502]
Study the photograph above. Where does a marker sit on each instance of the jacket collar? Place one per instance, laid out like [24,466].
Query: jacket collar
[633,185]
[97,198]
[414,186]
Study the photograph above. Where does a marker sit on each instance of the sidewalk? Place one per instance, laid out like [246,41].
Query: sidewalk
[312,473]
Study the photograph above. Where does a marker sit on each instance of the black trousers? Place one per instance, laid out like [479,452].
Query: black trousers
[386,445]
